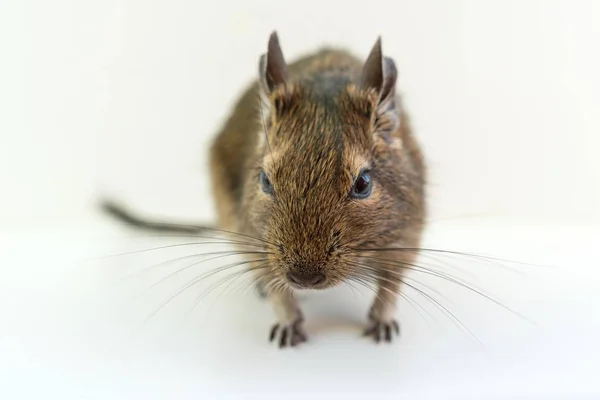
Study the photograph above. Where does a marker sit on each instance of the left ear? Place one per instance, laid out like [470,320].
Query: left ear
[379,73]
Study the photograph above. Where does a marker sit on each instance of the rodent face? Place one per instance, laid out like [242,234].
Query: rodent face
[330,176]
[327,184]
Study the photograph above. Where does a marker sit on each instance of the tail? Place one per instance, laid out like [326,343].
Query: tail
[123,215]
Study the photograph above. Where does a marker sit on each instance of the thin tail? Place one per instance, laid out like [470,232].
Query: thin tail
[123,215]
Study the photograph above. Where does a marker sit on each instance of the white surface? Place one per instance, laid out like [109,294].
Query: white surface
[68,317]
[122,96]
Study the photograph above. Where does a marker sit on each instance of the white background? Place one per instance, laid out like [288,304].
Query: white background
[122,97]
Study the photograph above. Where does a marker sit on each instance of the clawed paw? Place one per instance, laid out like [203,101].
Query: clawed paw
[382,330]
[288,335]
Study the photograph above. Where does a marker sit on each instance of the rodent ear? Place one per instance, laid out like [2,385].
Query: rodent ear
[272,66]
[379,73]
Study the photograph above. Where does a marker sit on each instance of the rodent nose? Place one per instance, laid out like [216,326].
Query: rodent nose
[306,279]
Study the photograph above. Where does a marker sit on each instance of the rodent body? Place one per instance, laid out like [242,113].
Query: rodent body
[317,163]
[317,159]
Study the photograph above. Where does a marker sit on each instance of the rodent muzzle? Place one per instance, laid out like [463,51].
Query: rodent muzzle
[305,279]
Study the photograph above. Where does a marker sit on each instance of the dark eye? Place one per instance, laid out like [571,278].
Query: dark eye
[362,186]
[265,183]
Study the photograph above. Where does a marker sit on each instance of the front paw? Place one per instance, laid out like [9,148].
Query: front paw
[288,335]
[382,330]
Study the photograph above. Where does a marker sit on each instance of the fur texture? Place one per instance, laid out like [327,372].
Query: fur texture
[312,127]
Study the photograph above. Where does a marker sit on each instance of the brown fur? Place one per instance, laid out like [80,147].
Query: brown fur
[321,129]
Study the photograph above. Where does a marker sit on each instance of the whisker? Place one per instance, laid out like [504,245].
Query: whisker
[187,286]
[438,262]
[452,252]
[352,287]
[279,285]
[197,263]
[472,288]
[410,301]
[455,319]
[173,260]
[489,262]
[416,306]
[261,266]
[190,236]
[230,278]
[386,262]
[256,280]
[360,279]
[270,285]
[440,306]
[242,235]
[375,271]
[362,282]
[172,246]
[437,292]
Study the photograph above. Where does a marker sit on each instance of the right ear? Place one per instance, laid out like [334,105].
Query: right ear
[272,67]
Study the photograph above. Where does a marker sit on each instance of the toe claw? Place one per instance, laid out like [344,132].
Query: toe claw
[288,335]
[283,339]
[299,333]
[273,332]
[379,330]
[298,338]
[378,334]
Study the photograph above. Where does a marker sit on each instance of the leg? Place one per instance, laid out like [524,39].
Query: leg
[382,316]
[288,331]
[259,275]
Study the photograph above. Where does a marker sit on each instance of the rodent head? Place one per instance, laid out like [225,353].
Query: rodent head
[329,175]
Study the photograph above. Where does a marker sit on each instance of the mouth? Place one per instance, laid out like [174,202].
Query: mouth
[306,287]
[306,281]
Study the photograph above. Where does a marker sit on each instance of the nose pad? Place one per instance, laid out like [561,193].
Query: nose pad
[306,279]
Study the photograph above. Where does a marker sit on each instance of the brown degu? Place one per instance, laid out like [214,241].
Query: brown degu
[317,166]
